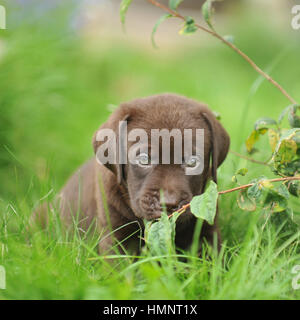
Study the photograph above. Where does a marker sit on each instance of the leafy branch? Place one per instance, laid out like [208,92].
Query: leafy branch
[263,182]
[207,13]
[284,143]
[160,235]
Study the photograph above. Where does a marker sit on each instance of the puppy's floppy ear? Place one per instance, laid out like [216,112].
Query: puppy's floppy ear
[118,167]
[220,142]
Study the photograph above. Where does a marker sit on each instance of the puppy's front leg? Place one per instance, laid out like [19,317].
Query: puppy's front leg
[121,238]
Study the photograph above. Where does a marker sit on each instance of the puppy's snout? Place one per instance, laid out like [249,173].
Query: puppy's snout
[173,201]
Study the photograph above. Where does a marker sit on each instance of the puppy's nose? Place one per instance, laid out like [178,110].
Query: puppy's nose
[170,201]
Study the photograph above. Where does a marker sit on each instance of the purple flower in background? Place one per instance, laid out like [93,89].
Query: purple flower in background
[79,16]
[39,12]
[32,11]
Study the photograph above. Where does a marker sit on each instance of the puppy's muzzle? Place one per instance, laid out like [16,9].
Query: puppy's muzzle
[152,204]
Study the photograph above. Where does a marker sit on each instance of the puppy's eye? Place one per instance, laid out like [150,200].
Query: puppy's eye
[143,159]
[192,162]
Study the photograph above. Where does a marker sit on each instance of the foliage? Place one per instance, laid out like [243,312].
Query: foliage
[123,9]
[160,236]
[55,89]
[159,21]
[284,144]
[205,205]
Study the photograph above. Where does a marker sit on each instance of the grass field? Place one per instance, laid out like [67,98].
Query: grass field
[54,94]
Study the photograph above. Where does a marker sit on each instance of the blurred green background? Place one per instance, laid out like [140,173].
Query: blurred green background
[64,65]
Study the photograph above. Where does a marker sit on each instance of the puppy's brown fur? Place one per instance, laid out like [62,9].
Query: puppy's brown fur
[132,194]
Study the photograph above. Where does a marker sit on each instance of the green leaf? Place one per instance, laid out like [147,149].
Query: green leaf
[276,201]
[253,138]
[283,191]
[284,159]
[286,151]
[217,115]
[173,225]
[273,139]
[283,113]
[245,202]
[276,198]
[123,9]
[291,110]
[293,118]
[159,236]
[240,172]
[264,123]
[255,191]
[204,206]
[159,21]
[289,134]
[188,27]
[296,138]
[229,38]
[173,4]
[286,169]
[294,188]
[207,12]
[264,193]
[266,184]
[285,221]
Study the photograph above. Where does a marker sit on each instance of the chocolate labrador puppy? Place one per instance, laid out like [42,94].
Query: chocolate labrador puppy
[119,195]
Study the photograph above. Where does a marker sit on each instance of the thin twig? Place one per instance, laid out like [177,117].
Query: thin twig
[251,184]
[229,44]
[183,208]
[248,158]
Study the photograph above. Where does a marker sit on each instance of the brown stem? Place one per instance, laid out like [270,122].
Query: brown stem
[229,44]
[248,158]
[251,184]
[183,208]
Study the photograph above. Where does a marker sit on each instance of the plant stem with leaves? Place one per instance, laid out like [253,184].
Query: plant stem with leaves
[212,32]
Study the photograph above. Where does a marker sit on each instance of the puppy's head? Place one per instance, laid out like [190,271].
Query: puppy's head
[156,173]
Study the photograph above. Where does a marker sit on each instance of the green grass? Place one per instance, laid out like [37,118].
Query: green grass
[54,94]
